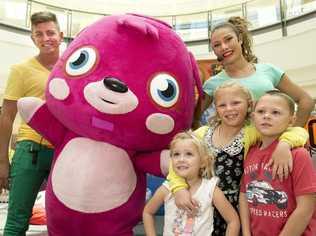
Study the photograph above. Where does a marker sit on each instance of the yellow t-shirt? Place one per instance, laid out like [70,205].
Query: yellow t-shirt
[27,79]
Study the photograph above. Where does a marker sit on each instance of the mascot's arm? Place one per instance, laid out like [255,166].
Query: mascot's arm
[35,113]
[155,163]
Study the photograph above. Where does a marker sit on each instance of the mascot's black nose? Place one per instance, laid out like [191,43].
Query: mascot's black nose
[115,85]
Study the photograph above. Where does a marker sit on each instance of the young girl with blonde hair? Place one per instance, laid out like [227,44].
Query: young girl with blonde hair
[191,160]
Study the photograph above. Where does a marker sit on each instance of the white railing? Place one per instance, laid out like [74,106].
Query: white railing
[191,27]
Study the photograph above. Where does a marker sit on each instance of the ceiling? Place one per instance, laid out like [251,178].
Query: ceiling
[148,7]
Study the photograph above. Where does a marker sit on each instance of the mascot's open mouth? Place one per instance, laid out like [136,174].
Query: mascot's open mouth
[107,101]
[102,124]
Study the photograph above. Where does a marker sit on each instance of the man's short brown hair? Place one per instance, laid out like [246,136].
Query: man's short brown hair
[42,17]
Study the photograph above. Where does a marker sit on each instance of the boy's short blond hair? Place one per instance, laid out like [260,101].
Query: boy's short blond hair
[277,93]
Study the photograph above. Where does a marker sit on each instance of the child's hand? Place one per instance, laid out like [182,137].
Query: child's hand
[282,161]
[184,201]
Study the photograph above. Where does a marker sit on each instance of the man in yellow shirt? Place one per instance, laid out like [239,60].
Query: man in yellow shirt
[32,158]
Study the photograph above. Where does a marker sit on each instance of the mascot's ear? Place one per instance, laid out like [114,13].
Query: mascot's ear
[198,81]
[138,24]
[152,19]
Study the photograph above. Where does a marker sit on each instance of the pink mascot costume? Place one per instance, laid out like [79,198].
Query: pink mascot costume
[122,89]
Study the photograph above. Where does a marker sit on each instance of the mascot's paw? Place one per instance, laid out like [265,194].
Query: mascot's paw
[28,106]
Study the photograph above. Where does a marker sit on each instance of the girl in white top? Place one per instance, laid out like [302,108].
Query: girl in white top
[191,160]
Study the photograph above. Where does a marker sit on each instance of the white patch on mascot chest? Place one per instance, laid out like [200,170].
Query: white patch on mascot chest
[93,177]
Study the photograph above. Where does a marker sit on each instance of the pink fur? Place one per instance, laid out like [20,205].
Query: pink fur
[132,72]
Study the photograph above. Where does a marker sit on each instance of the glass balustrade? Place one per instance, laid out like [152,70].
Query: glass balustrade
[191,28]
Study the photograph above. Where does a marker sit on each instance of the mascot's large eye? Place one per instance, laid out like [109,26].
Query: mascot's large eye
[81,61]
[164,89]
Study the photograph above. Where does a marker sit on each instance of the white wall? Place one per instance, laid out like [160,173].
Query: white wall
[14,48]
[296,54]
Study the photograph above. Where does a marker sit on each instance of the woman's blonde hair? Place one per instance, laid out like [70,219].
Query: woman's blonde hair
[207,168]
[240,26]
[246,92]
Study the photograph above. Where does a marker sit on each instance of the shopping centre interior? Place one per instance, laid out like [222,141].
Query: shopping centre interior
[284,31]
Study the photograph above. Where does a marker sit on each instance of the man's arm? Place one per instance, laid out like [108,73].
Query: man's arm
[8,113]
